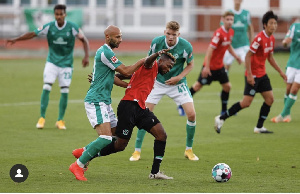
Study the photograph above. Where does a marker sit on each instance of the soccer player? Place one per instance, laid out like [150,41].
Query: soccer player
[98,98]
[240,42]
[256,79]
[172,84]
[213,67]
[59,64]
[292,72]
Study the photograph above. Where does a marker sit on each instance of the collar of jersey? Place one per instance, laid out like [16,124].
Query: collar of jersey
[237,12]
[108,46]
[223,28]
[177,40]
[60,28]
[265,34]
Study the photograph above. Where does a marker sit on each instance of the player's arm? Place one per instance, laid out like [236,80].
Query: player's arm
[149,62]
[85,42]
[286,41]
[251,32]
[119,82]
[250,78]
[231,51]
[206,68]
[129,70]
[26,36]
[186,70]
[274,64]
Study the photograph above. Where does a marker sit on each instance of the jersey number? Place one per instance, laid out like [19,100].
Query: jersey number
[182,88]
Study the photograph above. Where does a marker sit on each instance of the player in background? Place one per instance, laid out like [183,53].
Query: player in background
[172,84]
[240,42]
[213,67]
[292,72]
[132,112]
[98,98]
[61,36]
[256,79]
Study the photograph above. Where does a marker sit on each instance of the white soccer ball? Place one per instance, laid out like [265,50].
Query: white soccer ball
[221,172]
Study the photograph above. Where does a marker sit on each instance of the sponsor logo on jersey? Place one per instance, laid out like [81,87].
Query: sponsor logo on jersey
[255,45]
[225,43]
[215,39]
[59,40]
[238,24]
[114,59]
[268,49]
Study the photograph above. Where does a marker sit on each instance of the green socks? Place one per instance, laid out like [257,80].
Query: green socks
[140,138]
[190,131]
[44,102]
[288,105]
[94,148]
[62,105]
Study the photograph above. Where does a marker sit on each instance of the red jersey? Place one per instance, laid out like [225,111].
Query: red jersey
[220,42]
[261,46]
[141,84]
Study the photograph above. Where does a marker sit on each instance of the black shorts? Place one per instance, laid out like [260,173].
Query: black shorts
[262,84]
[130,114]
[216,75]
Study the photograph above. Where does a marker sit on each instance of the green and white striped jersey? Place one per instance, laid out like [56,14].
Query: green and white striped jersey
[294,34]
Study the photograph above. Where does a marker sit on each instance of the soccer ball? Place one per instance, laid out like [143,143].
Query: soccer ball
[221,172]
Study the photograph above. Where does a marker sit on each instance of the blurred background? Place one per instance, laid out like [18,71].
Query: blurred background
[141,20]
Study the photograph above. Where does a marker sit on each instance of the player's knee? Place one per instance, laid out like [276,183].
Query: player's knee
[162,136]
[47,86]
[64,90]
[191,116]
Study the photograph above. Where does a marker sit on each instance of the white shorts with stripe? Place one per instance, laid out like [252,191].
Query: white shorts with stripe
[99,113]
[179,93]
[241,52]
[293,75]
[64,74]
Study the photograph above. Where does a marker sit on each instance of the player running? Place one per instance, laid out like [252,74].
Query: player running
[256,79]
[292,72]
[213,67]
[61,36]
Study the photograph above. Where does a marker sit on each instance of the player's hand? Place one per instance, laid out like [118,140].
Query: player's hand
[239,60]
[162,51]
[85,62]
[205,72]
[172,81]
[250,80]
[90,77]
[284,77]
[9,41]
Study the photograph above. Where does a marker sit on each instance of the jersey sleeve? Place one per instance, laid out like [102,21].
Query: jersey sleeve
[291,32]
[109,58]
[188,53]
[215,41]
[42,30]
[152,47]
[255,44]
[75,29]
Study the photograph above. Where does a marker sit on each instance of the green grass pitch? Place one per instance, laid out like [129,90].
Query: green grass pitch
[259,162]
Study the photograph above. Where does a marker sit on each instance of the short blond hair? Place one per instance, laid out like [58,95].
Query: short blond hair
[173,25]
[228,13]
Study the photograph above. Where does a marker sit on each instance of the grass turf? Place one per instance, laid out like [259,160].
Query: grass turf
[260,162]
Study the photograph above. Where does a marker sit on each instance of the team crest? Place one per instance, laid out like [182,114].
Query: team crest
[114,59]
[125,131]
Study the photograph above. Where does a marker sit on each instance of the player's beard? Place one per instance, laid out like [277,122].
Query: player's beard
[113,44]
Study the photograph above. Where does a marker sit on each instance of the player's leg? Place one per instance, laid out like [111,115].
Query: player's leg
[64,78]
[182,96]
[154,97]
[226,86]
[264,112]
[292,97]
[96,114]
[49,76]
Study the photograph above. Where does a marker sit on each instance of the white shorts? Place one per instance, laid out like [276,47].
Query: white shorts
[179,93]
[100,113]
[293,75]
[51,72]
[241,52]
